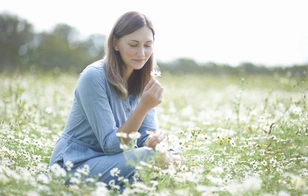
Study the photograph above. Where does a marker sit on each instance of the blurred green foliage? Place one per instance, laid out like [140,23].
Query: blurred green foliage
[63,50]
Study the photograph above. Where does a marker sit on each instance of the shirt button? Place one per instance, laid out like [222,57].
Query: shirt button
[127,110]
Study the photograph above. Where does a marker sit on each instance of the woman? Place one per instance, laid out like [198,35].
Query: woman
[115,97]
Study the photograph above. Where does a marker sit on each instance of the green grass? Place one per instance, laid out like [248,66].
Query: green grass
[239,136]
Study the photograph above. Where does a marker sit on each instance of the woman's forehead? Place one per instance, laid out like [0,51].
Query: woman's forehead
[143,34]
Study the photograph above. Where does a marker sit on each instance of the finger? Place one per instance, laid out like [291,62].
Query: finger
[161,137]
[158,133]
[149,85]
[160,92]
[151,141]
[155,83]
[157,88]
[152,144]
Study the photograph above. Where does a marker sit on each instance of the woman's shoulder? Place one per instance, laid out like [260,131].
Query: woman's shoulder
[95,69]
[98,66]
[94,73]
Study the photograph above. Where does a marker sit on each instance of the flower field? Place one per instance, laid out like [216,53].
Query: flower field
[239,136]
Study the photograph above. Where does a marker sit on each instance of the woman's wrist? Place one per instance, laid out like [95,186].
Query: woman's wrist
[142,108]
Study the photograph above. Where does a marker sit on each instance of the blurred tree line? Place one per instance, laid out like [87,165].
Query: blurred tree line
[184,65]
[62,50]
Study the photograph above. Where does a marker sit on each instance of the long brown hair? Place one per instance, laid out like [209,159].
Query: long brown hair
[115,67]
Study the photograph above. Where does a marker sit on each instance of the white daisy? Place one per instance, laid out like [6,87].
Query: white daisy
[115,172]
[155,73]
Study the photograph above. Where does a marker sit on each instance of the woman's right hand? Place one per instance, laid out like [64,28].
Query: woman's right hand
[152,94]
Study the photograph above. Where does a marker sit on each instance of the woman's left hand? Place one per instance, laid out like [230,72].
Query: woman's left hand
[154,139]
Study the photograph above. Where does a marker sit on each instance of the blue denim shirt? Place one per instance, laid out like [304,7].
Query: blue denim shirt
[96,114]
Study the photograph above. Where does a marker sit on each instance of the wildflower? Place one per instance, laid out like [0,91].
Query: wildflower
[155,73]
[48,110]
[85,170]
[252,152]
[69,165]
[180,177]
[77,175]
[232,142]
[298,182]
[43,178]
[252,183]
[162,147]
[42,167]
[115,172]
[124,147]
[154,183]
[218,170]
[57,170]
[232,162]
[134,135]
[90,180]
[100,184]
[33,193]
[273,162]
[150,132]
[143,188]
[111,183]
[146,164]
[101,190]
[214,180]
[117,187]
[74,187]
[255,166]
[125,181]
[196,131]
[283,193]
[75,180]
[121,135]
[136,176]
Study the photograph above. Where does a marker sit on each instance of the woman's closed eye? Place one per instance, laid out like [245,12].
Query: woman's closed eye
[135,45]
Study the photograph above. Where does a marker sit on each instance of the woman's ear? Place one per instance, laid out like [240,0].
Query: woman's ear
[115,43]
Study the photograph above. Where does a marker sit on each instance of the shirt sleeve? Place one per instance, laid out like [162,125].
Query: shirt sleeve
[149,124]
[91,94]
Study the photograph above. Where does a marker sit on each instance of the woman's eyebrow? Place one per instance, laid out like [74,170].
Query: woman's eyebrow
[139,41]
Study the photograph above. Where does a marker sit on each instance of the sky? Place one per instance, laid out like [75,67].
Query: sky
[263,32]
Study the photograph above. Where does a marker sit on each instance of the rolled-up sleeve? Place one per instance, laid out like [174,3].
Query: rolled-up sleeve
[91,95]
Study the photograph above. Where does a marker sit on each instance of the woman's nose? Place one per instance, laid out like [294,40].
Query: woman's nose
[140,51]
